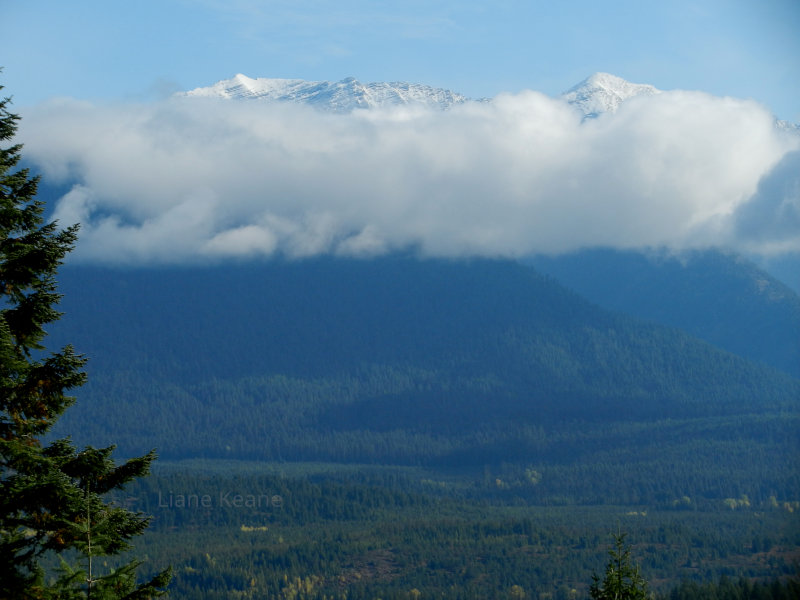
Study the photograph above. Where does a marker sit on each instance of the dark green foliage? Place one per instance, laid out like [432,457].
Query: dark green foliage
[51,496]
[380,532]
[497,389]
[743,589]
[622,579]
[30,252]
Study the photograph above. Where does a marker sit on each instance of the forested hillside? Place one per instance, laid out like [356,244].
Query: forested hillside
[484,366]
[719,297]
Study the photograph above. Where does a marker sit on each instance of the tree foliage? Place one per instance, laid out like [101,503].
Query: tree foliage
[51,495]
[622,579]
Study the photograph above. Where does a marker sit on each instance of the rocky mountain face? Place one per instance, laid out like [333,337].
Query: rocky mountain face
[603,93]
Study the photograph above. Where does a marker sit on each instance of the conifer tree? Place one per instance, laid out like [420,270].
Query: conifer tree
[51,495]
[622,579]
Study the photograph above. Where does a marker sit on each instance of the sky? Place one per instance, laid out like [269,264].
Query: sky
[99,50]
[155,179]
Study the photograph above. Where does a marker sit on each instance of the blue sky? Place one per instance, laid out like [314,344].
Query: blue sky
[101,50]
[155,178]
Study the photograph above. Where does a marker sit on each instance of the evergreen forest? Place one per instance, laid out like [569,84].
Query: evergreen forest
[400,427]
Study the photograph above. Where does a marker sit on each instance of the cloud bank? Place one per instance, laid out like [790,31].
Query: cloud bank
[192,179]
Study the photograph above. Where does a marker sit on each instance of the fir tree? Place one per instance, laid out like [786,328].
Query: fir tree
[622,580]
[51,496]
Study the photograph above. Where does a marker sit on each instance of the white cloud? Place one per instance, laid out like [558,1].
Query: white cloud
[242,241]
[770,220]
[188,179]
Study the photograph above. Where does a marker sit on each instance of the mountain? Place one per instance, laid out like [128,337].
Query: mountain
[603,93]
[718,297]
[443,363]
[341,96]
[788,126]
[597,94]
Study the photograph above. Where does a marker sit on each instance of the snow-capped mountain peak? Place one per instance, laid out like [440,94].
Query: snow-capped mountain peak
[339,96]
[603,92]
[595,95]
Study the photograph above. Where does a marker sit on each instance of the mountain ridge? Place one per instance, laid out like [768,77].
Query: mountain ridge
[716,296]
[598,93]
[340,96]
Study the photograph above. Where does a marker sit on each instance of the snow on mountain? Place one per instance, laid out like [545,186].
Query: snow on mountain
[598,94]
[602,93]
[788,126]
[595,95]
[340,96]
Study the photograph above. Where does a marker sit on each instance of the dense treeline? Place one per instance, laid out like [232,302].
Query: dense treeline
[409,417]
[253,532]
[742,589]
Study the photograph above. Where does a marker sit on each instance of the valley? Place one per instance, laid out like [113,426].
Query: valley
[452,426]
